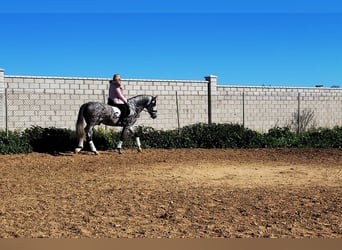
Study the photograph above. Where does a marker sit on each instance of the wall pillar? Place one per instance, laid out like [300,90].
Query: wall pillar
[2,79]
[2,100]
[212,82]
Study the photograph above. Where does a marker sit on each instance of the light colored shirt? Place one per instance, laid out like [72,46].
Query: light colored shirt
[116,94]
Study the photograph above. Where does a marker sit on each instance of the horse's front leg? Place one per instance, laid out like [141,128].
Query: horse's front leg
[137,139]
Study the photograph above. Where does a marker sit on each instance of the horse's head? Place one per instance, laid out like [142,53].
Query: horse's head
[152,107]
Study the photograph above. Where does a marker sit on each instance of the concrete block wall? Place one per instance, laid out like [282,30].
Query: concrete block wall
[267,107]
[189,94]
[55,101]
[48,101]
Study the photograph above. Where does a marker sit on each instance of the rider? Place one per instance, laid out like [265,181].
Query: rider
[116,97]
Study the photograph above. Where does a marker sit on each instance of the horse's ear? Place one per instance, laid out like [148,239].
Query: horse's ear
[155,98]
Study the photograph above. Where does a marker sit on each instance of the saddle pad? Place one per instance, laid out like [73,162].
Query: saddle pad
[116,111]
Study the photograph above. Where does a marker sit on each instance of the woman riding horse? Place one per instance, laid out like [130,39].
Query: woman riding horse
[117,98]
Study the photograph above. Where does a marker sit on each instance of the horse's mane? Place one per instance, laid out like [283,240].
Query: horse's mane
[139,98]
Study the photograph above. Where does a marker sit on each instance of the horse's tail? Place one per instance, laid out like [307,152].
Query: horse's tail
[80,133]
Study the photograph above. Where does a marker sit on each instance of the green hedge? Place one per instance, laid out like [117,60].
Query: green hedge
[50,139]
[199,135]
[236,136]
[14,143]
[321,138]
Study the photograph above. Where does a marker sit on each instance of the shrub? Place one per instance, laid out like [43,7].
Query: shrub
[302,121]
[106,139]
[50,139]
[322,138]
[151,138]
[14,143]
[103,139]
[280,137]
[219,136]
[199,135]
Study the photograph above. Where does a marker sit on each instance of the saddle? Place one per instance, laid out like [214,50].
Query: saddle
[121,111]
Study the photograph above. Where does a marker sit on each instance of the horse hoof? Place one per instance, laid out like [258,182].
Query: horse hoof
[139,150]
[77,150]
[119,151]
[95,152]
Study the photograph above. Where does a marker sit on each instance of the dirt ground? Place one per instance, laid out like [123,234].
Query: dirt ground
[272,193]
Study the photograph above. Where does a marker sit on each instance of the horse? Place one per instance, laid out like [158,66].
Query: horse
[96,113]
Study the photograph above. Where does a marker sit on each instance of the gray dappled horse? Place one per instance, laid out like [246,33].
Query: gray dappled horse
[95,113]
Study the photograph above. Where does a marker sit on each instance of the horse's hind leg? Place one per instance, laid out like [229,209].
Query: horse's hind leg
[79,146]
[89,134]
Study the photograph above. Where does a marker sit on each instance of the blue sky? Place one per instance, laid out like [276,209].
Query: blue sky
[277,43]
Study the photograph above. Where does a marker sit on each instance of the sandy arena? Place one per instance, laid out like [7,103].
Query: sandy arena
[272,193]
